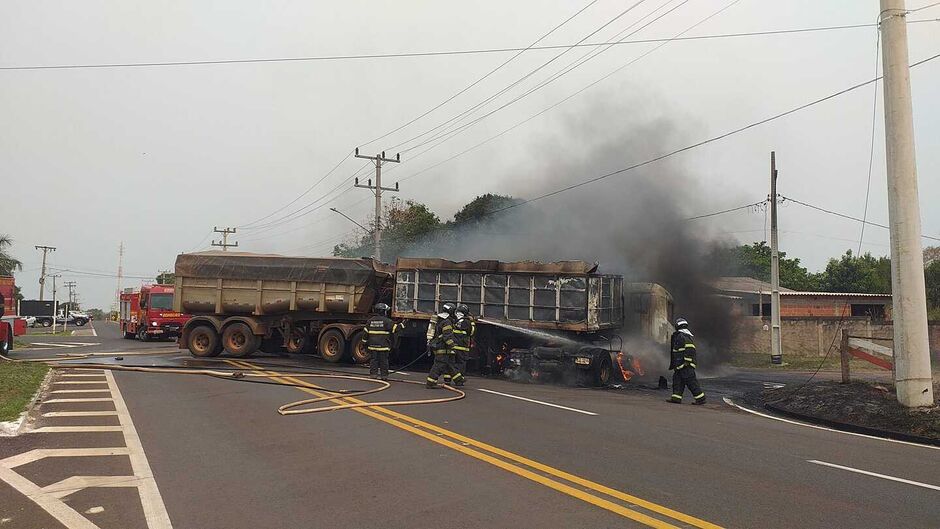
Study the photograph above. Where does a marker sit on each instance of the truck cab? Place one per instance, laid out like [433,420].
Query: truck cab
[148,313]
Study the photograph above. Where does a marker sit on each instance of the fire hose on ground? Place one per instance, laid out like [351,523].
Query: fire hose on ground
[277,378]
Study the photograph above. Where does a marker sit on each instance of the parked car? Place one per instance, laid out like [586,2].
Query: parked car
[30,321]
[74,317]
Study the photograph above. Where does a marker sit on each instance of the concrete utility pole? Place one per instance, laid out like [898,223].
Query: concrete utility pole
[42,275]
[70,285]
[55,301]
[120,274]
[912,375]
[776,345]
[377,189]
[65,320]
[225,233]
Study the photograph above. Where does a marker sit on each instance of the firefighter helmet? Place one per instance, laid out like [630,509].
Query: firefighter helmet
[463,309]
[681,323]
[449,308]
[382,309]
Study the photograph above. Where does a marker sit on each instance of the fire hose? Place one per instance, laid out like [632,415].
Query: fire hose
[277,378]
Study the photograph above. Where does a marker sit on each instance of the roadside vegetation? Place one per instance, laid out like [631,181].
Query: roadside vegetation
[802,363]
[19,381]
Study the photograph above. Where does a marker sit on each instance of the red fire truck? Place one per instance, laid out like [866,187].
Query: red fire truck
[10,324]
[148,313]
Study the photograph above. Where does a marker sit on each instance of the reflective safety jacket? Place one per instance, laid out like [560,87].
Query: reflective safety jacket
[463,333]
[683,351]
[443,341]
[380,333]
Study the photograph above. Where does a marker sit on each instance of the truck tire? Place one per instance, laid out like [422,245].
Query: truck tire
[332,346]
[239,341]
[46,323]
[7,344]
[203,342]
[127,335]
[299,341]
[602,370]
[357,350]
[80,322]
[142,334]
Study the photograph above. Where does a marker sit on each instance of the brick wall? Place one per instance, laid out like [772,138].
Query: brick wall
[813,336]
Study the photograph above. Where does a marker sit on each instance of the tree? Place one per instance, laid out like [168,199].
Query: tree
[852,273]
[932,277]
[406,223]
[753,260]
[483,205]
[166,278]
[8,264]
[931,255]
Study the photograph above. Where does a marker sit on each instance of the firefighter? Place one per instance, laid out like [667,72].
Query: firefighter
[380,338]
[464,328]
[682,362]
[442,346]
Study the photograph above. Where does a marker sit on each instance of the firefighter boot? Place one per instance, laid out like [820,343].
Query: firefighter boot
[459,379]
[700,399]
[431,383]
[675,399]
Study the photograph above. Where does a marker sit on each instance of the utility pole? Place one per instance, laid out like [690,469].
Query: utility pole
[65,320]
[776,345]
[225,233]
[42,275]
[912,376]
[55,301]
[120,275]
[377,189]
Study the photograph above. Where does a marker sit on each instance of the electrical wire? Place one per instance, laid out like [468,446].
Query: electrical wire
[849,217]
[474,51]
[722,212]
[702,143]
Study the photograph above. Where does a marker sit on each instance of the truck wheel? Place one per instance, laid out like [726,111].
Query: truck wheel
[127,335]
[81,322]
[358,350]
[7,342]
[203,342]
[299,341]
[601,372]
[332,346]
[239,341]
[142,334]
[47,323]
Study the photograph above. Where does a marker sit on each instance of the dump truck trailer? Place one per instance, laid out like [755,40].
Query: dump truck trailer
[242,302]
[534,319]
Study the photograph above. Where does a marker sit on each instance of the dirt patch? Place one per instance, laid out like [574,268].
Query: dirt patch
[864,404]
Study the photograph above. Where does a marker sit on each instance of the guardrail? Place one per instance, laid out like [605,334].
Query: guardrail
[865,348]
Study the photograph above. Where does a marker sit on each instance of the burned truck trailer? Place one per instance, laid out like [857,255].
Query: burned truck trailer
[242,302]
[536,320]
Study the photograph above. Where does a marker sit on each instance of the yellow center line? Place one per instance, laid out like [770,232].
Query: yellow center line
[408,423]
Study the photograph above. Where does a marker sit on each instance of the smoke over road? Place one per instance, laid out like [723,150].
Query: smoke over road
[631,223]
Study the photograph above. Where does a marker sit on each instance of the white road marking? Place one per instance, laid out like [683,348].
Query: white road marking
[53,401]
[74,382]
[76,429]
[537,402]
[150,499]
[78,413]
[83,375]
[81,391]
[781,419]
[66,515]
[42,453]
[74,484]
[875,474]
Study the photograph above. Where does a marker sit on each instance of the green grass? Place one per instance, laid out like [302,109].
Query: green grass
[20,343]
[18,383]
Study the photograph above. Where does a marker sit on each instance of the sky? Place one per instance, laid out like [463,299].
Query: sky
[157,156]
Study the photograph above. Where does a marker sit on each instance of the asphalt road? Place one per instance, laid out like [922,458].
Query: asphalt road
[223,457]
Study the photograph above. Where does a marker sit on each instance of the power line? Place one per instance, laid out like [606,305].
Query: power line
[722,212]
[849,217]
[474,51]
[432,109]
[704,142]
[871,147]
